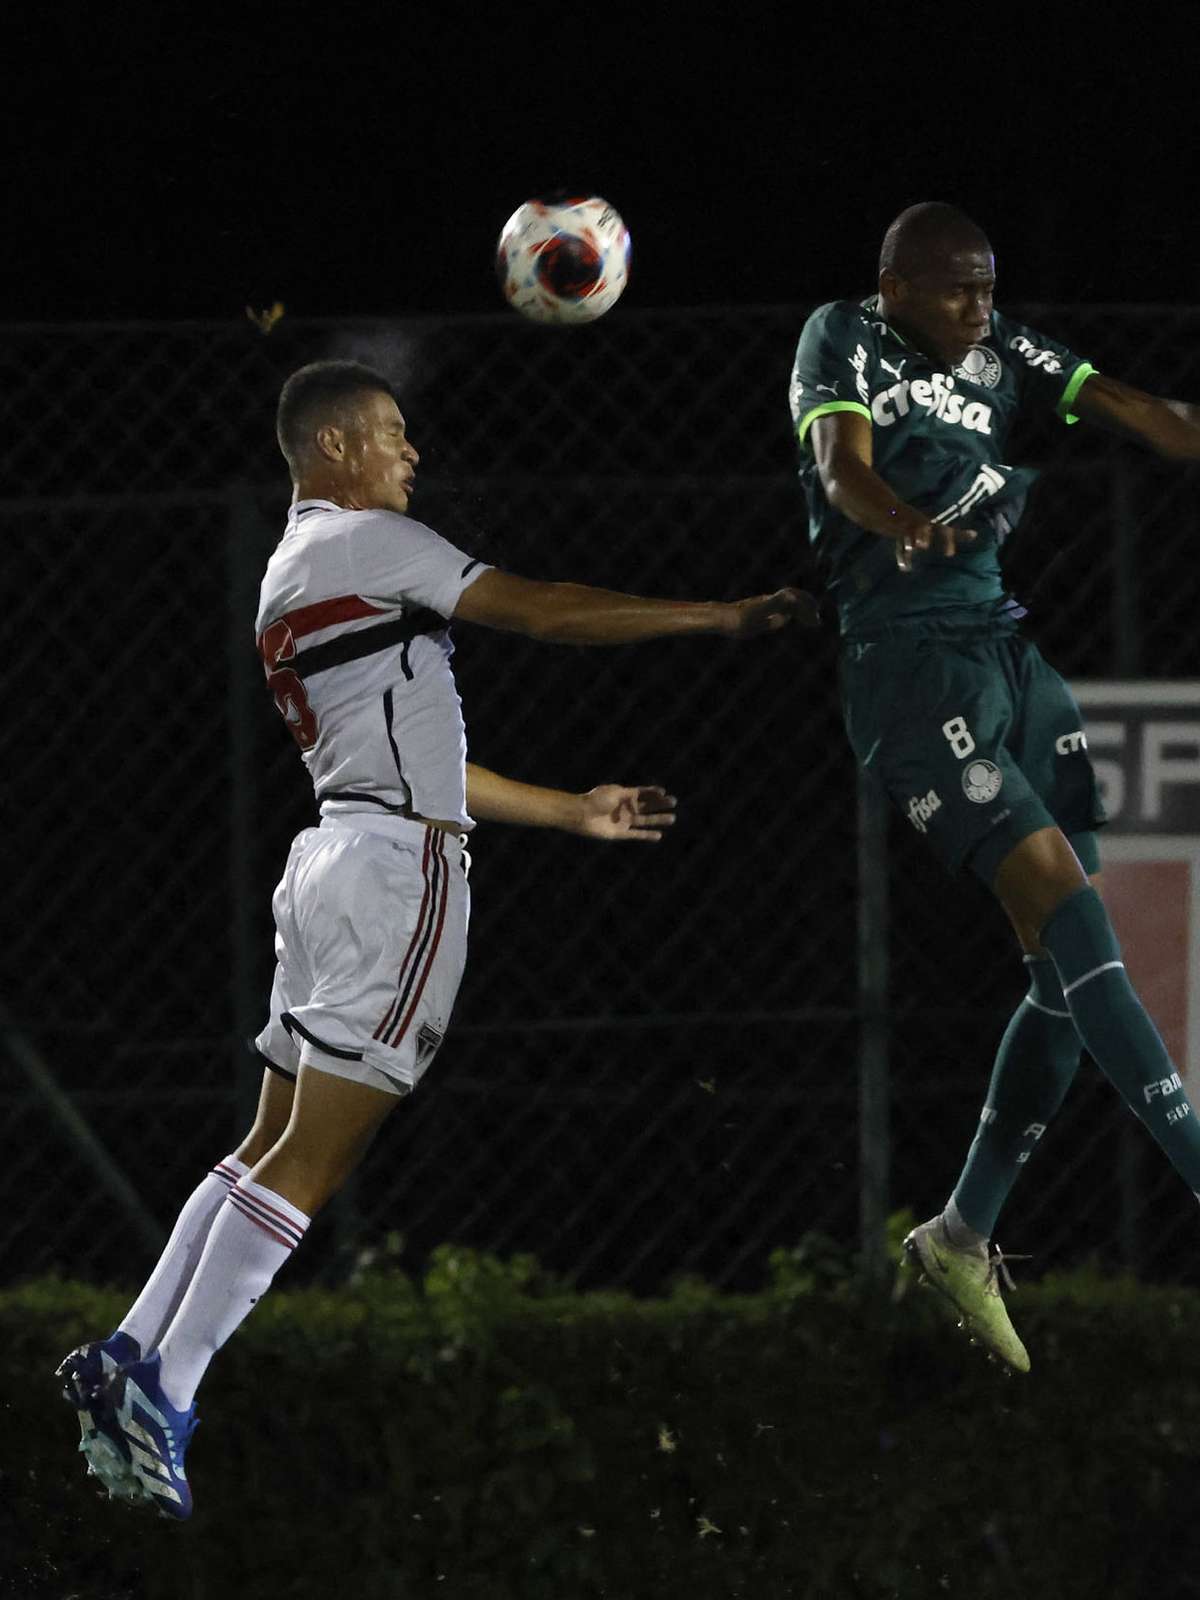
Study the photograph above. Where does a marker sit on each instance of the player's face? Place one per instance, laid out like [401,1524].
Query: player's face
[946,307]
[379,460]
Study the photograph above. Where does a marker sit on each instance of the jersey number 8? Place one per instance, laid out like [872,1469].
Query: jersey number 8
[959,735]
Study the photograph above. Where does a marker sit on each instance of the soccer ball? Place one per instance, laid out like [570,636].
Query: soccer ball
[563,260]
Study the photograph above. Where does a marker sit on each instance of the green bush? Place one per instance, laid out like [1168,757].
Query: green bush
[488,1434]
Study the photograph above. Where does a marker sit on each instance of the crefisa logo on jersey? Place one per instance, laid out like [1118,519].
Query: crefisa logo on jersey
[980,365]
[982,781]
[935,394]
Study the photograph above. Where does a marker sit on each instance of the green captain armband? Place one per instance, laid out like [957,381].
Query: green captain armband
[827,408]
[1078,378]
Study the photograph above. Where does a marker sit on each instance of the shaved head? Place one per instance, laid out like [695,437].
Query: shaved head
[937,276]
[926,236]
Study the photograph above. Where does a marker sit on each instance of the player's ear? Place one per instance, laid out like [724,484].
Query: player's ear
[330,442]
[892,285]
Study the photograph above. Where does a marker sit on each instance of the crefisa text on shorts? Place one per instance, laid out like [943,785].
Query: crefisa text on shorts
[921,807]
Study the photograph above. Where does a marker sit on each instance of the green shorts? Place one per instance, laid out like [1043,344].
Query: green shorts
[977,741]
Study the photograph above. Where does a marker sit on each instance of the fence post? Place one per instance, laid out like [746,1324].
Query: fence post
[1126,624]
[874,1026]
[244,541]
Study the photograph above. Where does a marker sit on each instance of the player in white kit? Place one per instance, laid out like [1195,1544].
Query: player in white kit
[371,912]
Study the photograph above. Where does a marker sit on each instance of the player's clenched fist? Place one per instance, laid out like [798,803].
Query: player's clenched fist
[765,613]
[942,537]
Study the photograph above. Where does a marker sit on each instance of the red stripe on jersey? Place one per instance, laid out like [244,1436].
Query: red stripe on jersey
[343,608]
[413,944]
[433,949]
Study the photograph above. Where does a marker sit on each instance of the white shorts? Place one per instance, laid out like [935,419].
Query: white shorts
[370,941]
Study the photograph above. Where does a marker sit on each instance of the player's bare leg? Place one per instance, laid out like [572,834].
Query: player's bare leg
[1034,879]
[149,1316]
[332,1123]
[275,1101]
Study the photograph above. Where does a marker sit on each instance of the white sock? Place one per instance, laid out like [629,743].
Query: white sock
[254,1234]
[166,1286]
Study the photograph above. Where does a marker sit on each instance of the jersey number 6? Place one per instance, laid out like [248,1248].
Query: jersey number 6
[276,645]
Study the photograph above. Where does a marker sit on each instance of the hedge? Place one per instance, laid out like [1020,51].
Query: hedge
[487,1434]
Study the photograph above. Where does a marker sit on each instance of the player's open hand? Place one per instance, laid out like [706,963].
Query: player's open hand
[943,538]
[767,613]
[613,811]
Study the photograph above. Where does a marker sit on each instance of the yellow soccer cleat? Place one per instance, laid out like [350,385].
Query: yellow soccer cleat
[970,1280]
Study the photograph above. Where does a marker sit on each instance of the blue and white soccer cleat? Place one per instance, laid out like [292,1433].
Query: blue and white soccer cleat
[85,1374]
[155,1434]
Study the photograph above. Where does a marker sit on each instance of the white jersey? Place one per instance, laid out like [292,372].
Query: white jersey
[353,631]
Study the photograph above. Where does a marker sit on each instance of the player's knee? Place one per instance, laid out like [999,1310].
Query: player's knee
[320,1160]
[1034,879]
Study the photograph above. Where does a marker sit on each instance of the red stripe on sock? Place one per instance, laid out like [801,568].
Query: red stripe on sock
[273,1213]
[239,1201]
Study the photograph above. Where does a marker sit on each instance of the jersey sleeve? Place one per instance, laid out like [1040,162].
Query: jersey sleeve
[398,561]
[1049,374]
[829,372]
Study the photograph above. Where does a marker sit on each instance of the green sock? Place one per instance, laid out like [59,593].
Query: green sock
[1116,1029]
[1037,1058]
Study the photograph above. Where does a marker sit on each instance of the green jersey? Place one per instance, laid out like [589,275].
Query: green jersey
[938,438]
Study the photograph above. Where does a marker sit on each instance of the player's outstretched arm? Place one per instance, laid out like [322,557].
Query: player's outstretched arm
[571,613]
[610,811]
[1169,427]
[841,446]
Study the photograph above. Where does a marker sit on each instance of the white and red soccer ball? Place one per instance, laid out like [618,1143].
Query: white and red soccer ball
[563,260]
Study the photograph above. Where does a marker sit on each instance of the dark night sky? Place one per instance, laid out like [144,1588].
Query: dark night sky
[363,160]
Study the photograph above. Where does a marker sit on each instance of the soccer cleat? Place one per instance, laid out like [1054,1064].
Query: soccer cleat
[85,1373]
[969,1280]
[155,1434]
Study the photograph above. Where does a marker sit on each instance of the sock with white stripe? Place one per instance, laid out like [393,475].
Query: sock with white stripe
[253,1236]
[1116,1029]
[166,1286]
[1036,1061]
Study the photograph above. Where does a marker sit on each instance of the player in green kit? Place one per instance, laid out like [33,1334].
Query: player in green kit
[902,406]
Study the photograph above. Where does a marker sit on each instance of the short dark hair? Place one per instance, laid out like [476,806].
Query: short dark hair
[316,393]
[925,231]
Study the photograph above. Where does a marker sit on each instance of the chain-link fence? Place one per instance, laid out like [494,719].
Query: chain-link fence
[663,1060]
